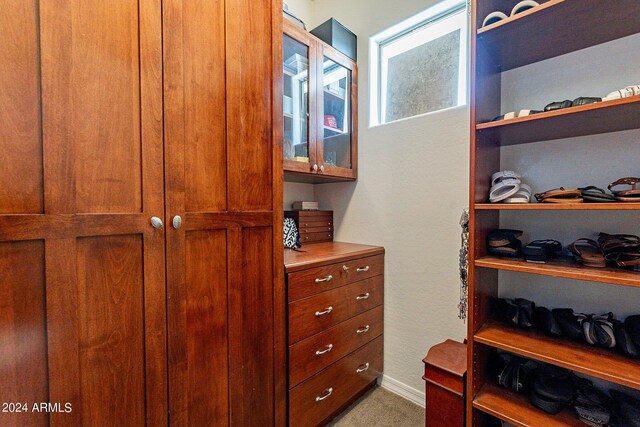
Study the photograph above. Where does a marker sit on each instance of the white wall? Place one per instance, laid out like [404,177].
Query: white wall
[301,9]
[295,191]
[411,189]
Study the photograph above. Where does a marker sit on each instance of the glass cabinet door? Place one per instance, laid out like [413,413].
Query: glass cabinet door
[295,101]
[335,113]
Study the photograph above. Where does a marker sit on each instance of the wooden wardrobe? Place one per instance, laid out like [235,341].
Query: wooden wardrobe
[113,113]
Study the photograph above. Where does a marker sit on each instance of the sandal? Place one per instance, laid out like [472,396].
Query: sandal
[588,252]
[541,250]
[504,184]
[594,194]
[523,195]
[631,194]
[560,195]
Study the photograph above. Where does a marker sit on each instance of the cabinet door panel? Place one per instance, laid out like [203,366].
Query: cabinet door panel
[110,316]
[92,103]
[204,106]
[23,345]
[219,157]
[84,101]
[21,189]
[206,322]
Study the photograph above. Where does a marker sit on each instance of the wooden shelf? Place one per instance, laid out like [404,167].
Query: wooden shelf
[555,28]
[564,268]
[594,361]
[591,119]
[558,206]
[516,409]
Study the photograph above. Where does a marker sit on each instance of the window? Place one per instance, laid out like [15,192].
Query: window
[420,65]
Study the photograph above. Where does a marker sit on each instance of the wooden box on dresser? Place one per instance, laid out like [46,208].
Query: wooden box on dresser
[335,323]
[314,226]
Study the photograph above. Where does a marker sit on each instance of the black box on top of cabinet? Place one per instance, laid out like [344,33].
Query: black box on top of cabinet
[337,35]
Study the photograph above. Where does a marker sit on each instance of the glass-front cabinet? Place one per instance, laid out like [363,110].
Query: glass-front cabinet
[319,109]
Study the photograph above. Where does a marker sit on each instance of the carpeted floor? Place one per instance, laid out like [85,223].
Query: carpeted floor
[381,408]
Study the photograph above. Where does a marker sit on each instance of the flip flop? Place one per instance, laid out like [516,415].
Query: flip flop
[593,194]
[588,252]
[560,195]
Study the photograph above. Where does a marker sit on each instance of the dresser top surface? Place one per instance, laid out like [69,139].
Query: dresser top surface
[319,254]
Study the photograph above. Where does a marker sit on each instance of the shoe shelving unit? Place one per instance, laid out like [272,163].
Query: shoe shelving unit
[556,27]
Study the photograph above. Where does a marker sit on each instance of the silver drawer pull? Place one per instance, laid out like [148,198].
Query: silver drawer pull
[326,393]
[362,368]
[324,279]
[327,349]
[363,330]
[362,269]
[326,311]
[345,268]
[363,296]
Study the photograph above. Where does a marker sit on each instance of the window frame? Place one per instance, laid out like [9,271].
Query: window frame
[428,25]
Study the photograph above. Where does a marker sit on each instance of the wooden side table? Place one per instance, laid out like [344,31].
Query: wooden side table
[445,370]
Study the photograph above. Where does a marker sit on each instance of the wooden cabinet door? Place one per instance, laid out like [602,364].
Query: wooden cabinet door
[337,114]
[221,180]
[82,311]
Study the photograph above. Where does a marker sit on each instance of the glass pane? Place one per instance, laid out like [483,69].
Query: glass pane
[336,81]
[295,101]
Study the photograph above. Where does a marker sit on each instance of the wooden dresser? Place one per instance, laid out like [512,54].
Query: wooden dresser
[335,313]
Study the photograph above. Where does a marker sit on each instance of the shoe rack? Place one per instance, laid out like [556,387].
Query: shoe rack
[540,33]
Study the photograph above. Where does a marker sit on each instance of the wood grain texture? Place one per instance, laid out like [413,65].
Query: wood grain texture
[251,333]
[516,409]
[91,103]
[596,362]
[565,268]
[23,345]
[509,43]
[206,327]
[321,254]
[21,187]
[232,118]
[279,290]
[344,339]
[111,329]
[303,283]
[617,206]
[249,104]
[342,378]
[303,321]
[203,63]
[591,119]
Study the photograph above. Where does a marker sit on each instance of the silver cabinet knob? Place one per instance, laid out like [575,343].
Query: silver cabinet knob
[177,222]
[156,222]
[322,169]
[315,168]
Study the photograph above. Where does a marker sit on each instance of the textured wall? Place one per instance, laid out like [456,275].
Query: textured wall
[424,79]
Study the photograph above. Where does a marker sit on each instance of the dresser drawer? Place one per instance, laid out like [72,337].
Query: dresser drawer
[316,237]
[315,353]
[311,402]
[319,312]
[320,229]
[317,222]
[304,283]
